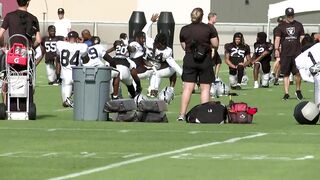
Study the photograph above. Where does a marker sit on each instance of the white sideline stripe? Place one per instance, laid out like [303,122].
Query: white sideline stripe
[131,155]
[9,154]
[49,154]
[153,130]
[152,156]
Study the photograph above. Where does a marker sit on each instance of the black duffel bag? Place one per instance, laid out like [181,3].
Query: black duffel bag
[210,112]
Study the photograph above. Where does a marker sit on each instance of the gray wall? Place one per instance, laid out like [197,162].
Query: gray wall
[256,11]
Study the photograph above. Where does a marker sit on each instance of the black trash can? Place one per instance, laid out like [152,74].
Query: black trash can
[166,25]
[136,23]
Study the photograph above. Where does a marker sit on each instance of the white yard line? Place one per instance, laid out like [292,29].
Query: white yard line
[153,130]
[152,156]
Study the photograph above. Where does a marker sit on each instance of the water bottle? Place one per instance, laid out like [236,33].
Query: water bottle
[17,50]
[23,52]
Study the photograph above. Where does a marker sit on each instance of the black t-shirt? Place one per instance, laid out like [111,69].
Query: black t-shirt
[21,22]
[289,34]
[200,32]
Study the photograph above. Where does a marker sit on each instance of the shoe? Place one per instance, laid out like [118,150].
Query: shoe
[256,85]
[217,79]
[56,82]
[276,82]
[299,95]
[285,97]
[181,117]
[50,83]
[69,102]
[114,97]
[238,86]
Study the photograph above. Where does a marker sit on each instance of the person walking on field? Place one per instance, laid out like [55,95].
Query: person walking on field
[289,35]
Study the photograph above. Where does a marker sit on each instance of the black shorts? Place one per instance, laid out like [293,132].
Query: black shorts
[197,72]
[265,66]
[288,65]
[216,59]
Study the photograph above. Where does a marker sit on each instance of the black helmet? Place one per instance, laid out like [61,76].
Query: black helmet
[73,34]
[95,40]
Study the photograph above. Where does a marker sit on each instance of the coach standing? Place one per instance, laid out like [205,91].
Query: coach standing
[212,19]
[63,25]
[290,34]
[196,40]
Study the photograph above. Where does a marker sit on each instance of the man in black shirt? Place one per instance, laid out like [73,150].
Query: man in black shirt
[290,34]
[22,22]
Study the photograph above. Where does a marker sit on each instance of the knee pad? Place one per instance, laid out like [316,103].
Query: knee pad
[51,72]
[233,80]
[265,79]
[245,79]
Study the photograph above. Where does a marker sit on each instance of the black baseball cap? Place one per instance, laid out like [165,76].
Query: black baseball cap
[73,34]
[289,11]
[60,11]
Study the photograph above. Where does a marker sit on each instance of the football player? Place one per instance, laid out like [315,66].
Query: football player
[138,53]
[308,64]
[70,54]
[167,66]
[49,44]
[122,64]
[261,60]
[160,59]
[99,58]
[235,54]
[125,65]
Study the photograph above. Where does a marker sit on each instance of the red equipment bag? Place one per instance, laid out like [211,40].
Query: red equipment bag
[241,113]
[17,54]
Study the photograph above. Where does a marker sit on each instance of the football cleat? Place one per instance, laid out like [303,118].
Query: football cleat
[166,94]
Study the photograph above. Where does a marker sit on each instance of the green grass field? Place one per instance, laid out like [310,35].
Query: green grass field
[56,147]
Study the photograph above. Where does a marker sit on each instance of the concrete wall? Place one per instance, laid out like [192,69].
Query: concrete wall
[118,11]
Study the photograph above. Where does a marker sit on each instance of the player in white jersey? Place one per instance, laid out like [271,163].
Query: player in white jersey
[161,59]
[71,54]
[99,58]
[138,54]
[124,64]
[308,64]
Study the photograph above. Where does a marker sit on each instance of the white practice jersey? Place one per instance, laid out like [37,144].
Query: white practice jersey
[149,40]
[140,50]
[96,53]
[70,54]
[307,59]
[163,55]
